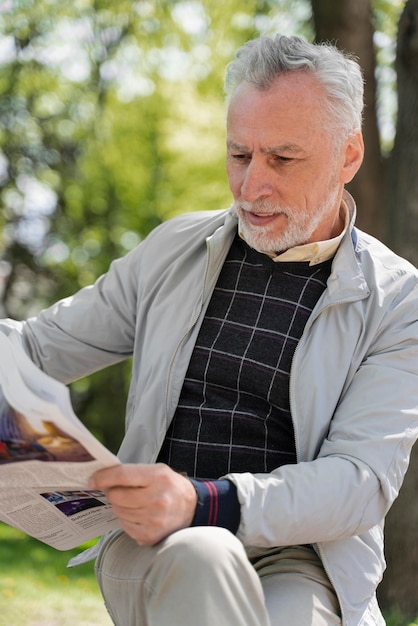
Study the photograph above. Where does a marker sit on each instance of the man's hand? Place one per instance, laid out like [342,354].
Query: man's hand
[150,501]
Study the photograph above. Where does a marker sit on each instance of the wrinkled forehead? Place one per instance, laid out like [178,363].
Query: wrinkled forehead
[290,112]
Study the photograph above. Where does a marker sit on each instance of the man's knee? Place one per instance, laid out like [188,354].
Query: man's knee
[209,546]
[206,567]
[212,547]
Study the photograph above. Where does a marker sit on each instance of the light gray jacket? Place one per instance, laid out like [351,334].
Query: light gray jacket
[353,386]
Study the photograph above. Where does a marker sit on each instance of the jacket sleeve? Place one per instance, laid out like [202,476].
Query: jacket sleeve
[88,331]
[99,325]
[357,471]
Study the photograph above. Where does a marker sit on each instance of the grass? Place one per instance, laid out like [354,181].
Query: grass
[37,589]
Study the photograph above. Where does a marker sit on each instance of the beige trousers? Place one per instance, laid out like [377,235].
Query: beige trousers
[203,576]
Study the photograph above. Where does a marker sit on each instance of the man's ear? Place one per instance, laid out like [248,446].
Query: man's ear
[353,153]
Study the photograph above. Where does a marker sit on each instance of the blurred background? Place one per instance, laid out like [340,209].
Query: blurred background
[112,121]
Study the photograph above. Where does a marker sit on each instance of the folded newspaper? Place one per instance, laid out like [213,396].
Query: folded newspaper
[46,457]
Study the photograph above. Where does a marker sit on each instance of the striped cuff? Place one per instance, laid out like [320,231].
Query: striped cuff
[217,504]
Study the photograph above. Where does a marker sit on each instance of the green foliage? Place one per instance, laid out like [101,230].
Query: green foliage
[112,120]
[395,618]
[386,15]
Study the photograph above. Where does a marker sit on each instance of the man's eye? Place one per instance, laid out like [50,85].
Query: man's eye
[241,157]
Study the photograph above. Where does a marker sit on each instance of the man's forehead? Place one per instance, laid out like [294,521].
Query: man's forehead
[292,81]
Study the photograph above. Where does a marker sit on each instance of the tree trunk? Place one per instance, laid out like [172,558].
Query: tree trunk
[400,587]
[403,164]
[348,24]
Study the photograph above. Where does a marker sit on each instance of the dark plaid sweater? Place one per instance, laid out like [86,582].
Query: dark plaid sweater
[233,413]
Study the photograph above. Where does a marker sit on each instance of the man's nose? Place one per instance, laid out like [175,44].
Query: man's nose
[257,182]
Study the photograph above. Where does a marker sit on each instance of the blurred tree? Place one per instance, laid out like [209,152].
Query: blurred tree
[403,165]
[349,24]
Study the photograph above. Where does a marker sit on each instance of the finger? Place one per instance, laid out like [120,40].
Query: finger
[154,497]
[132,515]
[127,497]
[144,535]
[124,475]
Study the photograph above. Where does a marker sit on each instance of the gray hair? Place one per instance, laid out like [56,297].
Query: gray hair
[261,60]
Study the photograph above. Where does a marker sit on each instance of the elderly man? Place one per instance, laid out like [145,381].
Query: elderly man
[274,392]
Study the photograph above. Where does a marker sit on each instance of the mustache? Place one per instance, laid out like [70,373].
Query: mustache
[261,207]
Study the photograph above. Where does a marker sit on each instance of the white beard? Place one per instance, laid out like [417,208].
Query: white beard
[300,224]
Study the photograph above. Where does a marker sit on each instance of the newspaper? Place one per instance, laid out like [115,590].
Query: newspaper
[46,457]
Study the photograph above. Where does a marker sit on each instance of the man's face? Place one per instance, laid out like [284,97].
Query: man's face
[284,170]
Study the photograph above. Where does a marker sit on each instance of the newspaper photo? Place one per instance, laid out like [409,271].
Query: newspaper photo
[46,457]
